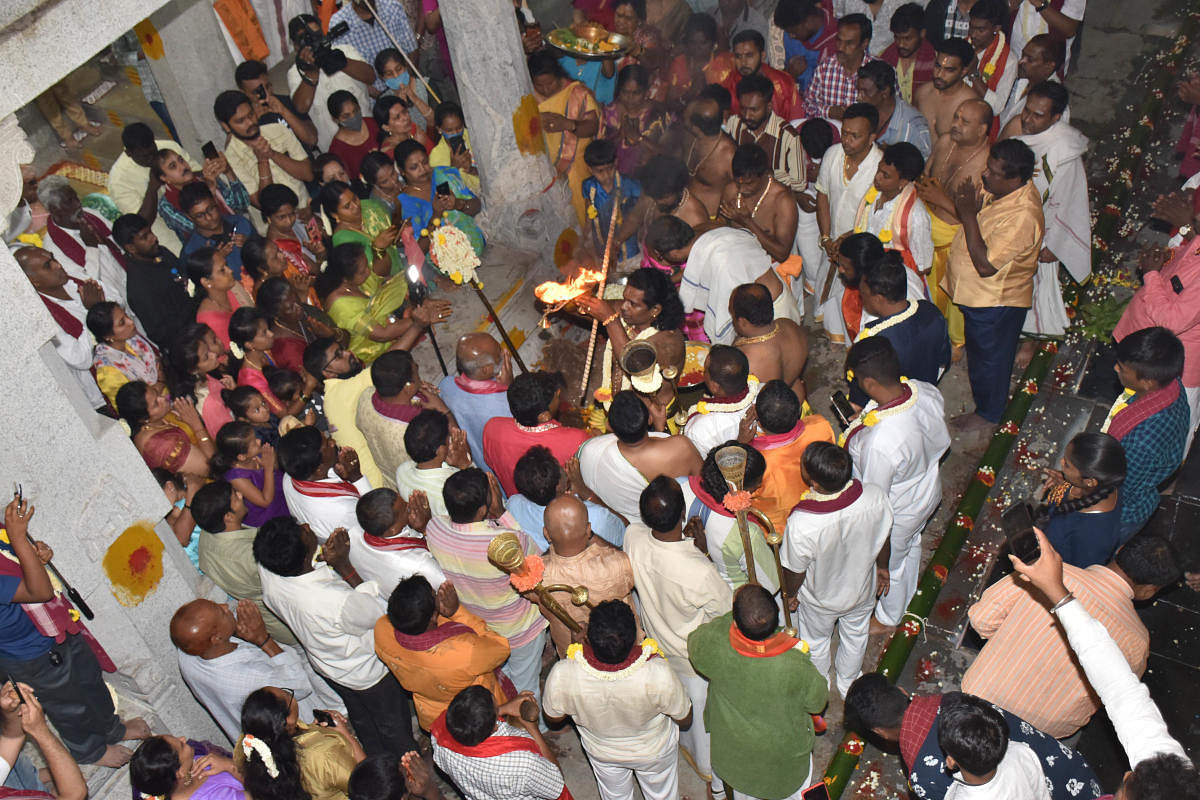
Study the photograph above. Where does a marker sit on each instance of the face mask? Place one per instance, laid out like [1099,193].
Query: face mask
[454,137]
[353,123]
[397,82]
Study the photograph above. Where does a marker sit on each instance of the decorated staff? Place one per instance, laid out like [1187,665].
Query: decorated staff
[525,575]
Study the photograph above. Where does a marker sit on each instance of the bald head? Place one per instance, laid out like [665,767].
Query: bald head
[197,626]
[567,526]
[478,356]
[972,122]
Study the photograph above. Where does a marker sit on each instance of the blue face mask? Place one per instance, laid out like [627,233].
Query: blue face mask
[453,136]
[397,82]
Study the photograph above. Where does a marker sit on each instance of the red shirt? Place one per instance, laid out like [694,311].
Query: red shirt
[505,441]
[785,100]
[923,61]
[352,155]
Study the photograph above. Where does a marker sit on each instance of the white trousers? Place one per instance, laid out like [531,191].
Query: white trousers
[796,795]
[816,262]
[695,740]
[816,627]
[904,568]
[1193,398]
[658,776]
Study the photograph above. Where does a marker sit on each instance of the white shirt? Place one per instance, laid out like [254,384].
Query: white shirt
[920,235]
[1139,724]
[76,351]
[713,429]
[386,568]
[223,683]
[127,182]
[334,622]
[1029,23]
[721,260]
[1019,776]
[900,454]
[679,589]
[327,85]
[324,514]
[410,478]
[628,720]
[837,550]
[844,196]
[99,264]
[244,162]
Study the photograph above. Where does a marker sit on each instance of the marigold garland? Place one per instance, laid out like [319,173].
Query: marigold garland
[530,574]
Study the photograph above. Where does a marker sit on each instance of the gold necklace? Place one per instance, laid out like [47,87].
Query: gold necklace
[683,198]
[691,152]
[761,197]
[847,173]
[765,337]
[948,182]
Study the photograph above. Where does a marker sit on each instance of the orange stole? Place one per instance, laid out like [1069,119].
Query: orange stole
[782,483]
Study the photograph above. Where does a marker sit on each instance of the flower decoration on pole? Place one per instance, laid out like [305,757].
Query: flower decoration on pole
[525,573]
[451,252]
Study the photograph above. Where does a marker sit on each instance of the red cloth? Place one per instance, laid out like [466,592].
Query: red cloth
[774,645]
[167,448]
[401,412]
[492,746]
[846,498]
[1146,407]
[916,725]
[325,488]
[395,544]
[474,386]
[785,101]
[257,379]
[73,250]
[1189,144]
[505,441]
[288,353]
[352,155]
[596,10]
[922,69]
[65,319]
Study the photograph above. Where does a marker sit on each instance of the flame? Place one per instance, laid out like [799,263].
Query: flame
[554,293]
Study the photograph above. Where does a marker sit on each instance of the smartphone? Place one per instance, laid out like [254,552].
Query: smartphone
[261,91]
[458,144]
[322,717]
[443,188]
[1176,285]
[818,791]
[842,408]
[17,689]
[1018,531]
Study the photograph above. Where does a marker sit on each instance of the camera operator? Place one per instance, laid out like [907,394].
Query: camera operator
[311,83]
[253,81]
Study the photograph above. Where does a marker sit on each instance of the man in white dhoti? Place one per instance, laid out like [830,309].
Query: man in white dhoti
[1061,180]
[843,315]
[714,264]
[835,555]
[618,466]
[896,442]
[81,241]
[891,210]
[847,172]
[816,135]
[731,390]
[704,496]
[1040,60]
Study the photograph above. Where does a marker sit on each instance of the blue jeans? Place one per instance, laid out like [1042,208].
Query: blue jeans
[524,669]
[992,335]
[24,776]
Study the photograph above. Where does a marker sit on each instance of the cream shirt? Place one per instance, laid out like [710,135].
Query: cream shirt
[127,183]
[245,163]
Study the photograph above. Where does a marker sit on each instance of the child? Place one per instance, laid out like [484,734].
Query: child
[599,192]
[247,404]
[250,339]
[249,465]
[180,493]
[298,395]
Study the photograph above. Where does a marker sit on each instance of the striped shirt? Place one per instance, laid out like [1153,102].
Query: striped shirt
[1027,667]
[461,551]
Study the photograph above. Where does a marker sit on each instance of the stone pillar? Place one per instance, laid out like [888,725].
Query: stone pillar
[89,485]
[489,67]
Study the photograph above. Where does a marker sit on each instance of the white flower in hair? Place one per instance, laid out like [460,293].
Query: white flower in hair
[236,351]
[251,743]
[191,288]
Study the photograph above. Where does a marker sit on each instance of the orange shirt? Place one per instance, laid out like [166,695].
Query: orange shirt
[436,675]
[782,483]
[717,70]
[1027,667]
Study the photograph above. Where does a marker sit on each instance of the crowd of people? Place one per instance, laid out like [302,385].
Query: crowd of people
[905,176]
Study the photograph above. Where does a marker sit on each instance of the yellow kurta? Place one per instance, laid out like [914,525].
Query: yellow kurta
[565,148]
[1012,227]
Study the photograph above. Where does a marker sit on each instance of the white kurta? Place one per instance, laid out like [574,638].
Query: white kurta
[1061,179]
[720,261]
[386,568]
[609,474]
[725,548]
[920,237]
[99,265]
[844,196]
[76,351]
[324,514]
[900,454]
[1015,102]
[715,428]
[836,550]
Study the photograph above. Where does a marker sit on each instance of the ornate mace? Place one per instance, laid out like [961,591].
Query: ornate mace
[525,574]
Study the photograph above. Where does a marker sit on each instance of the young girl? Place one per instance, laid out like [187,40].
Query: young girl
[1082,514]
[297,393]
[179,492]
[248,405]
[249,465]
[251,339]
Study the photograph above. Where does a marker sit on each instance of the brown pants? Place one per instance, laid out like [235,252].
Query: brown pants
[57,101]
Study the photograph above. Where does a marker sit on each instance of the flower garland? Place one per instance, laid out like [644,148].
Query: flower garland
[251,743]
[890,322]
[709,407]
[870,417]
[649,650]
[451,252]
[530,574]
[812,494]
[860,224]
[1118,406]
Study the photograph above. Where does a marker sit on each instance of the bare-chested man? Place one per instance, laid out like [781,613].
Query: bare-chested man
[775,348]
[759,203]
[958,158]
[709,154]
[665,192]
[617,466]
[939,98]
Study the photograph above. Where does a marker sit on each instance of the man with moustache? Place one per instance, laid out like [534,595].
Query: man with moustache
[835,83]
[261,155]
[847,172]
[1039,62]
[341,379]
[995,65]
[757,123]
[940,98]
[749,59]
[898,121]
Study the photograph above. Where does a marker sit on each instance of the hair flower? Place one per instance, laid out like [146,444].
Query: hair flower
[252,744]
[236,350]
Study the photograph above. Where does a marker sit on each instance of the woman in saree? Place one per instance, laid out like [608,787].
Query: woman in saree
[174,768]
[570,120]
[301,246]
[367,224]
[647,49]
[179,443]
[377,321]
[423,197]
[635,123]
[219,292]
[295,325]
[121,354]
[199,371]
[396,124]
[380,175]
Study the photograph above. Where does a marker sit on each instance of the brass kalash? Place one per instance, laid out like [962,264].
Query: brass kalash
[506,553]
[732,463]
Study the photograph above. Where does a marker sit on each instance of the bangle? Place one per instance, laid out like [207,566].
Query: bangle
[351,573]
[204,439]
[825,239]
[1054,608]
[608,321]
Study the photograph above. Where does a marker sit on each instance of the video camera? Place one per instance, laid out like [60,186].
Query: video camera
[324,55]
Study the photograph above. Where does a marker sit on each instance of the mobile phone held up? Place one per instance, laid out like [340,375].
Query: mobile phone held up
[842,408]
[208,150]
[1018,532]
[443,189]
[322,718]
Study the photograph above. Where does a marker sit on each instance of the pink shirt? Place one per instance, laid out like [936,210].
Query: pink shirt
[1157,303]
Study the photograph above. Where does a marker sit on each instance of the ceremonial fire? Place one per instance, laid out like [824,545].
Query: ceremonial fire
[554,293]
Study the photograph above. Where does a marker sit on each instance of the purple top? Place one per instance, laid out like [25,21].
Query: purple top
[256,515]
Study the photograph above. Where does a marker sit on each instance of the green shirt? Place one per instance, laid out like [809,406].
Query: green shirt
[228,559]
[758,712]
